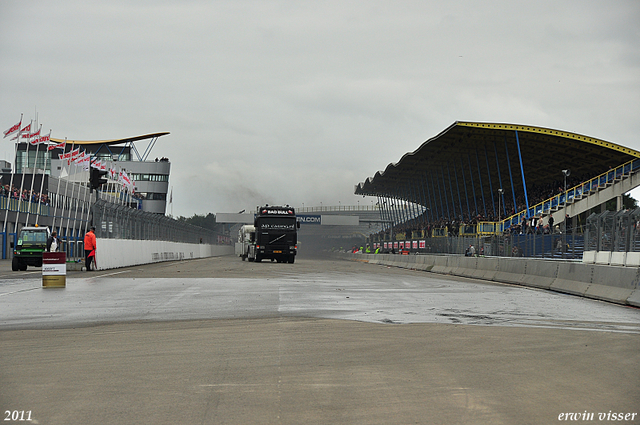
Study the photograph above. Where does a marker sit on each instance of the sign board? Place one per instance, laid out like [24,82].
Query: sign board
[309,219]
[54,270]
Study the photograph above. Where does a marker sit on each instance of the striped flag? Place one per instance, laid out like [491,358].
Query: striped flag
[59,145]
[13,129]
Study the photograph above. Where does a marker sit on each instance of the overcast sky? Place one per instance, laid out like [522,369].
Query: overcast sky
[290,102]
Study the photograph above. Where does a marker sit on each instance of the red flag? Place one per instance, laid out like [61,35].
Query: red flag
[13,129]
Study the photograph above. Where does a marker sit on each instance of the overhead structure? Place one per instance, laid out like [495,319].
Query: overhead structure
[128,142]
[491,170]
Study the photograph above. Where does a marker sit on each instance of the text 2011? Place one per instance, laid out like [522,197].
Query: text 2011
[17,415]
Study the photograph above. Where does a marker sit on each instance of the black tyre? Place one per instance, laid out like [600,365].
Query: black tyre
[15,264]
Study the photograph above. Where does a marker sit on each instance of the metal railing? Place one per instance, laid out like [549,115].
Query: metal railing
[114,221]
[571,195]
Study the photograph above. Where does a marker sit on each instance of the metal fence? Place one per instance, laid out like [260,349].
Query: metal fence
[613,231]
[114,221]
[566,245]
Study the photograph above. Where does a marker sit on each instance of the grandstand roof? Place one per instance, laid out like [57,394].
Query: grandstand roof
[485,156]
[112,141]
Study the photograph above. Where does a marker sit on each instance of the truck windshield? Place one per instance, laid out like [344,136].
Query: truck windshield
[32,237]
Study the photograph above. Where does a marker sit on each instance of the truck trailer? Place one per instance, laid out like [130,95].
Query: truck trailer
[275,235]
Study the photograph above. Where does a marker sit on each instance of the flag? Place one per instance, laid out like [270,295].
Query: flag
[13,129]
[35,137]
[59,145]
[43,139]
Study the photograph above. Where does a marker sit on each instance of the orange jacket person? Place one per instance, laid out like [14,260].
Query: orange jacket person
[89,248]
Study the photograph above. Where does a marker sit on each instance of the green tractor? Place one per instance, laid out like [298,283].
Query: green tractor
[32,242]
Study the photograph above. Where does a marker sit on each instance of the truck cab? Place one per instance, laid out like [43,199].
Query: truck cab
[32,242]
[246,236]
[275,235]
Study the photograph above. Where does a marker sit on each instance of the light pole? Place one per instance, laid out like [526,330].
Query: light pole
[500,192]
[566,174]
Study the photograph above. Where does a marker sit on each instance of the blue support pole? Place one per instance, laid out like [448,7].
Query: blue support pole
[513,192]
[524,183]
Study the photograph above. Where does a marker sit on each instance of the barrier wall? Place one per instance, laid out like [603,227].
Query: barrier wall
[617,284]
[114,253]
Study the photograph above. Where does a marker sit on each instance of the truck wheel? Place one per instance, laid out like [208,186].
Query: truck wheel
[23,267]
[292,259]
[15,264]
[258,259]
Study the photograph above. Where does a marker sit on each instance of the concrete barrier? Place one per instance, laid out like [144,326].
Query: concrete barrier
[618,258]
[440,264]
[589,257]
[466,266]
[632,259]
[114,253]
[618,284]
[540,274]
[487,268]
[573,278]
[511,270]
[603,257]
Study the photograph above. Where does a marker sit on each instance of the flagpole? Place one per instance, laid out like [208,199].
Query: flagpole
[84,199]
[13,172]
[22,182]
[33,173]
[75,216]
[42,180]
[73,190]
[55,209]
[66,190]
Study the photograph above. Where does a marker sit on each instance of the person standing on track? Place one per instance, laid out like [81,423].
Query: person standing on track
[89,248]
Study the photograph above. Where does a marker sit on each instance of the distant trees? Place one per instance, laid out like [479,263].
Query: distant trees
[205,221]
[627,203]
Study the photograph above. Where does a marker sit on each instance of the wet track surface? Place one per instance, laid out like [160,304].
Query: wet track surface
[223,288]
[321,342]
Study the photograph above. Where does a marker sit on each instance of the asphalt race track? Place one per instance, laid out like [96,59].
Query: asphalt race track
[219,340]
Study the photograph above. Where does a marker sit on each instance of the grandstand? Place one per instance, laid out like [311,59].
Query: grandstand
[487,179]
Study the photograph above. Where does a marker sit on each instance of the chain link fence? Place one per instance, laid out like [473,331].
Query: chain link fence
[114,221]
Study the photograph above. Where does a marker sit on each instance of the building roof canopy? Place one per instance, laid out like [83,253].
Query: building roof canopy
[483,155]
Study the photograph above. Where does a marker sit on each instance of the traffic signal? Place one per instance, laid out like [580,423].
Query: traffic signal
[96,178]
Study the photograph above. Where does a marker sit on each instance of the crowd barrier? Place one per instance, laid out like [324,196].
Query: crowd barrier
[617,284]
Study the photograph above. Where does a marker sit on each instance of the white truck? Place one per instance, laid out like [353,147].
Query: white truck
[246,236]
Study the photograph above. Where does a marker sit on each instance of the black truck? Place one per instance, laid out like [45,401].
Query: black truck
[276,235]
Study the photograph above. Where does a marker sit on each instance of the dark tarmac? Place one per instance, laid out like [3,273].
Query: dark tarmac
[219,340]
